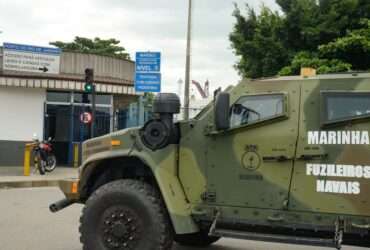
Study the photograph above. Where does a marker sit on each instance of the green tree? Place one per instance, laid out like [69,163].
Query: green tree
[353,48]
[149,99]
[343,54]
[330,35]
[258,42]
[98,46]
[307,59]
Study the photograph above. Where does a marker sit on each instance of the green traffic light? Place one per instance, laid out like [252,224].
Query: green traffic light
[88,87]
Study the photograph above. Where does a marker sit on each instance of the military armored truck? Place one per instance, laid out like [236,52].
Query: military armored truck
[282,160]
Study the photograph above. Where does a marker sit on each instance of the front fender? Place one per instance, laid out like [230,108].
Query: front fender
[163,164]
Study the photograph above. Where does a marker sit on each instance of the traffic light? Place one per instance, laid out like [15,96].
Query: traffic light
[88,87]
[89,80]
[90,90]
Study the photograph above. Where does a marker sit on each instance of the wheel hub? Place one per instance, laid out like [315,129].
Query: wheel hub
[120,229]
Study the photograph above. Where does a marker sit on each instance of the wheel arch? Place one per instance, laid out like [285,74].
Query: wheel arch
[99,172]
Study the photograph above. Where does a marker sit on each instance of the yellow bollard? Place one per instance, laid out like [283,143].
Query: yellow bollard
[76,150]
[27,160]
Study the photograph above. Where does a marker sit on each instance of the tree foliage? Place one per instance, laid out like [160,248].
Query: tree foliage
[98,46]
[353,48]
[258,40]
[323,66]
[330,35]
[149,99]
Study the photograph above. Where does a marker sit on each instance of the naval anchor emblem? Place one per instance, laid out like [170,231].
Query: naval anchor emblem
[251,160]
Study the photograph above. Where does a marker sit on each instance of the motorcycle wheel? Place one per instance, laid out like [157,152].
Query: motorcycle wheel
[40,165]
[51,163]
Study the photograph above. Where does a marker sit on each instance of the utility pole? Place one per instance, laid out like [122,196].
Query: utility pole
[187,70]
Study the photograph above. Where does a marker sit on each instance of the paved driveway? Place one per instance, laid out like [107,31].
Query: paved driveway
[27,224]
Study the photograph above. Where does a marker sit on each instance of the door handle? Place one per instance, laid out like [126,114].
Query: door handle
[312,157]
[275,218]
[280,158]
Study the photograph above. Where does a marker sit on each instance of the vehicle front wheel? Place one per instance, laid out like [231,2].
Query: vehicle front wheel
[125,214]
[201,239]
[39,164]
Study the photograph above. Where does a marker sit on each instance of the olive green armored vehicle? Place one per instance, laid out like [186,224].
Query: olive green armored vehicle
[282,160]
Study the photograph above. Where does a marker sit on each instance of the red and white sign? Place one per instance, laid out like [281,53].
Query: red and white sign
[86,117]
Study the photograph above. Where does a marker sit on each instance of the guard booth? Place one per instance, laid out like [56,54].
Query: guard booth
[63,111]
[63,123]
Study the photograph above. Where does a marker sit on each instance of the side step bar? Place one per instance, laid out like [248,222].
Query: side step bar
[324,242]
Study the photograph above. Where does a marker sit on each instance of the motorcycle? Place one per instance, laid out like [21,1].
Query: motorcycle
[44,157]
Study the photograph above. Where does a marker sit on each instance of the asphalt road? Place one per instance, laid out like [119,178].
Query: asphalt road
[27,224]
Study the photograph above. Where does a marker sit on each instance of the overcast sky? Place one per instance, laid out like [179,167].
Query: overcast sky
[140,25]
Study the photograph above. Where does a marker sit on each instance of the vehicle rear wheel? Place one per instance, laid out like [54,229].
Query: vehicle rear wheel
[125,214]
[201,239]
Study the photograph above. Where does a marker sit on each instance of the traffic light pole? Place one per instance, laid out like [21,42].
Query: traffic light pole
[93,110]
[90,87]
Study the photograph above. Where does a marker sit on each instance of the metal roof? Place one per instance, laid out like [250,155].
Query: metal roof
[317,77]
[73,65]
[64,84]
[111,75]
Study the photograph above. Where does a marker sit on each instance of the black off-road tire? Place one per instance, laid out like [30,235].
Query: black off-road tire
[125,212]
[201,239]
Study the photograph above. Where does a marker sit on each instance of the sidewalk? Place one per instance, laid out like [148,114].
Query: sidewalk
[12,177]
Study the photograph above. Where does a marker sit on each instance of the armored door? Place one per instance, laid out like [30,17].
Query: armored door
[332,169]
[250,164]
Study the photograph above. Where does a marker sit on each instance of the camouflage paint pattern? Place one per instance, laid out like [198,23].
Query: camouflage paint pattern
[273,188]
[163,164]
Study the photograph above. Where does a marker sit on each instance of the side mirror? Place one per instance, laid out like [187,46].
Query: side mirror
[222,115]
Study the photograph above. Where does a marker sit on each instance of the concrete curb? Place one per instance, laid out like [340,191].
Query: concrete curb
[29,184]
[12,177]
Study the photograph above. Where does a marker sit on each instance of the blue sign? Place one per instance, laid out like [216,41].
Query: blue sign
[148,62]
[32,49]
[148,82]
[148,76]
[28,58]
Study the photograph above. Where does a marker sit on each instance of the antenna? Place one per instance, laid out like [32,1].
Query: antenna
[187,70]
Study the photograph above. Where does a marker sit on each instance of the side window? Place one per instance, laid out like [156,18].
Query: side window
[252,109]
[345,106]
